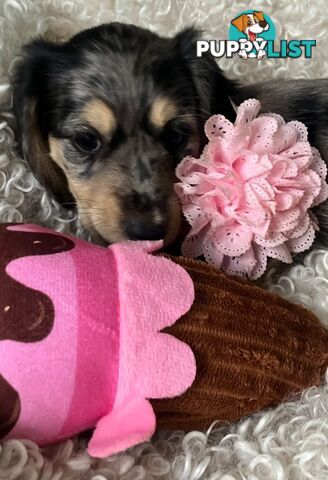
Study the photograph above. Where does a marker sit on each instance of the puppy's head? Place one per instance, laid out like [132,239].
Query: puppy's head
[105,118]
[251,22]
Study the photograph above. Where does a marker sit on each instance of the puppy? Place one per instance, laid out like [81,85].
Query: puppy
[104,119]
[251,24]
[306,101]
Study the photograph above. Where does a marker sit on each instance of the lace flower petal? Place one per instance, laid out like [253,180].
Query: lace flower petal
[248,197]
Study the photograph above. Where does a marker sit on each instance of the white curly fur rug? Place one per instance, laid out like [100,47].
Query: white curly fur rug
[287,443]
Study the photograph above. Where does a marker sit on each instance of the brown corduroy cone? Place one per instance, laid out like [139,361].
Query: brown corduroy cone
[253,349]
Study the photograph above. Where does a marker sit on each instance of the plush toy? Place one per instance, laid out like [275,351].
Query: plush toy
[88,339]
[248,197]
[80,343]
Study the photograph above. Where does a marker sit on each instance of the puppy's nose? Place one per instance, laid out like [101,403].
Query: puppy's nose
[263,23]
[142,230]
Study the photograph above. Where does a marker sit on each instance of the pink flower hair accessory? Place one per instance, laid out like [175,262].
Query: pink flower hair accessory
[248,197]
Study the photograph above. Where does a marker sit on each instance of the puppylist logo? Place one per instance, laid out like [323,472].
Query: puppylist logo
[252,34]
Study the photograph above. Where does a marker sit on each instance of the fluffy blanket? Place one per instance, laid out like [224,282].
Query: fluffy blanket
[289,442]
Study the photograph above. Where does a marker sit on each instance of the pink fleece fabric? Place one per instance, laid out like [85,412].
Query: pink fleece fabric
[105,355]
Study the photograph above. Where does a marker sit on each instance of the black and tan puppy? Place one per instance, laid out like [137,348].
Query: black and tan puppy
[104,118]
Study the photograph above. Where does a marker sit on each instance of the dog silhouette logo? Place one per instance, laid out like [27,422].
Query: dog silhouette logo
[252,29]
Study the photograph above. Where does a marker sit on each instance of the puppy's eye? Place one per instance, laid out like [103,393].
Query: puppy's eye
[87,142]
[175,138]
[249,22]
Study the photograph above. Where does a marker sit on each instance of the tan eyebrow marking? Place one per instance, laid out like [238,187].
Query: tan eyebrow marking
[100,116]
[162,110]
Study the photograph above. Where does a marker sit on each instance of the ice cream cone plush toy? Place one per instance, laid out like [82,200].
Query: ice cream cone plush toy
[80,338]
[88,339]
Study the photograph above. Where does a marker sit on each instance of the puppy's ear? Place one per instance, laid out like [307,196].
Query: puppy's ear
[259,16]
[30,80]
[212,87]
[240,22]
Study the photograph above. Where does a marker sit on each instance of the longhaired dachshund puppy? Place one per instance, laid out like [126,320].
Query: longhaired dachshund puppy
[104,118]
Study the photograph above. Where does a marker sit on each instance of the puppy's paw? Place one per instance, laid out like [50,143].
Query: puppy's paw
[243,54]
[261,54]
